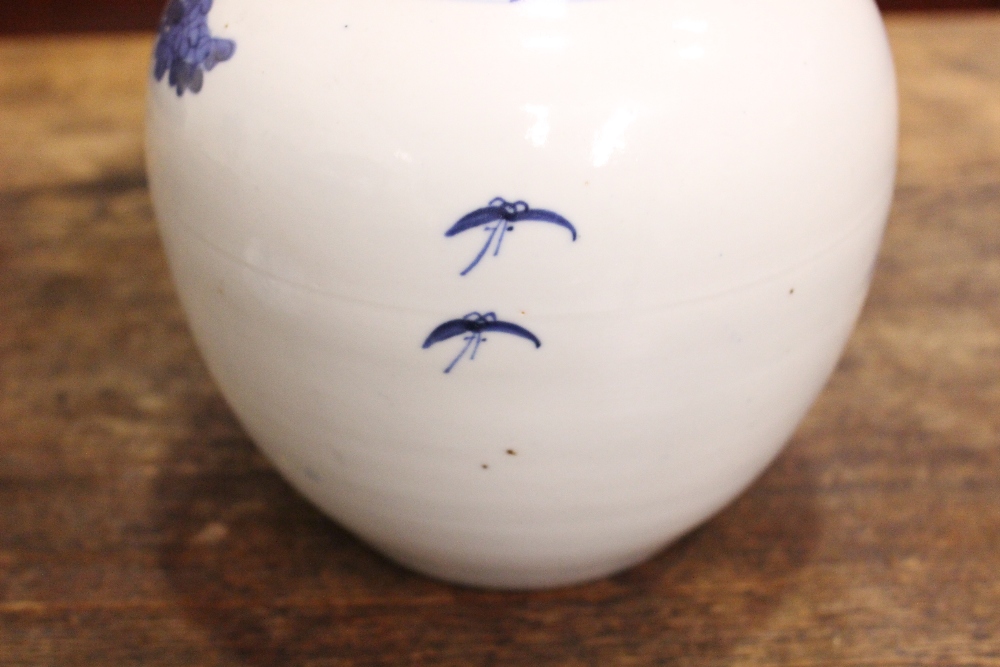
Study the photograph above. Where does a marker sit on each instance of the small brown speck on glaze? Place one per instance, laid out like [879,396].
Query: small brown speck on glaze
[511,452]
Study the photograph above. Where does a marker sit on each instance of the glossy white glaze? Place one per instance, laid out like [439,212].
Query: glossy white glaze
[728,167]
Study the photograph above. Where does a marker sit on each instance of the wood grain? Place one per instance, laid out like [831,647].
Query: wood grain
[138,525]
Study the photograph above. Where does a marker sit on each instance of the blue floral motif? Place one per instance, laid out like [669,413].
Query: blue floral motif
[186,48]
[472,327]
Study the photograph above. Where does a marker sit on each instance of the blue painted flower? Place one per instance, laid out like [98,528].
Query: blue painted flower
[186,48]
[472,327]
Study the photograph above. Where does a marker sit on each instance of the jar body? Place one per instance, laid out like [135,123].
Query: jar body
[671,211]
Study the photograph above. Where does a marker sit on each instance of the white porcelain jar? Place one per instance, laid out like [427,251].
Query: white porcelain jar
[519,292]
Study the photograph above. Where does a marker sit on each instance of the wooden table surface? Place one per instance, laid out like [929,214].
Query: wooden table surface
[138,525]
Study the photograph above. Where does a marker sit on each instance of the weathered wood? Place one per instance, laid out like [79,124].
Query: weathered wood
[138,526]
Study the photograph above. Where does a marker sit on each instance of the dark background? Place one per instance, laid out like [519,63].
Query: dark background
[34,16]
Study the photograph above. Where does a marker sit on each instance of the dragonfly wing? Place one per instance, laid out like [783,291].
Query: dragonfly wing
[449,329]
[514,330]
[542,215]
[478,218]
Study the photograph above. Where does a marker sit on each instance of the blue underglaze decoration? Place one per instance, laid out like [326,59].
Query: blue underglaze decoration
[472,327]
[186,48]
[499,218]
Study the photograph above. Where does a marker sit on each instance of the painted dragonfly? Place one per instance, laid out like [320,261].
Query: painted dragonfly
[472,327]
[499,218]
